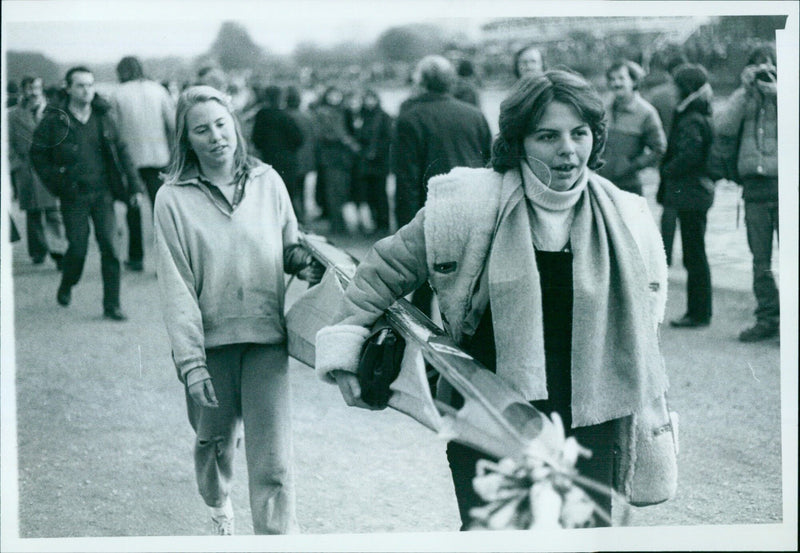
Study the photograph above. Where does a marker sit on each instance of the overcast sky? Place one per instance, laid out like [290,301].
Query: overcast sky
[95,31]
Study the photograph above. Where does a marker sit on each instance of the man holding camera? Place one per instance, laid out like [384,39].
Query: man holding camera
[749,122]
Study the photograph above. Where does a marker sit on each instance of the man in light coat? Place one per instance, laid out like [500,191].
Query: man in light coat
[145,116]
[636,138]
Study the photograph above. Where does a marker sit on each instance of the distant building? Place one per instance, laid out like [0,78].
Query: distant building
[554,29]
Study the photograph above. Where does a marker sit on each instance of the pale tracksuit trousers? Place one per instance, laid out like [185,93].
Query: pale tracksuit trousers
[251,382]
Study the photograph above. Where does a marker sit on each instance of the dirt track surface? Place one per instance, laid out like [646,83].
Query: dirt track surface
[104,447]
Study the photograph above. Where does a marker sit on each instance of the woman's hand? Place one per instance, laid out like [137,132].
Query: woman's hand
[312,273]
[135,200]
[298,260]
[767,88]
[351,390]
[759,76]
[202,393]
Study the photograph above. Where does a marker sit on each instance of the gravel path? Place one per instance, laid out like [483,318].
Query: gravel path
[104,448]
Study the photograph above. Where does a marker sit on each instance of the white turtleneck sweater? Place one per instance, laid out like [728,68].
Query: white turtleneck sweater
[551,210]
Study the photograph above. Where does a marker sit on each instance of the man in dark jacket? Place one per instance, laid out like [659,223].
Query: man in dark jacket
[689,190]
[79,156]
[665,97]
[277,137]
[306,162]
[466,88]
[434,134]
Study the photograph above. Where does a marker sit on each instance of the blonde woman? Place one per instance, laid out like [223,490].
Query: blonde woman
[225,235]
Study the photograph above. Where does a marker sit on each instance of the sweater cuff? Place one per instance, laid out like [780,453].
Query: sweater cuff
[338,348]
[195,375]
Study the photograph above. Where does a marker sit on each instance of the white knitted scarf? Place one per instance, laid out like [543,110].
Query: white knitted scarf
[616,362]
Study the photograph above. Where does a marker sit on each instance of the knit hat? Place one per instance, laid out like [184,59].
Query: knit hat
[689,77]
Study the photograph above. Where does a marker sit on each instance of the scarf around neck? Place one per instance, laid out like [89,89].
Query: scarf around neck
[616,361]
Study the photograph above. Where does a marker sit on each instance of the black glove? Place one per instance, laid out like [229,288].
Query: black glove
[380,364]
[297,260]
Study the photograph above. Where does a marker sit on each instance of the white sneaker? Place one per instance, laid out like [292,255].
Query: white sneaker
[222,519]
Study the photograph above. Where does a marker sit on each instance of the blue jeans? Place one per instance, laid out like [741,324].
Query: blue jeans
[251,382]
[761,219]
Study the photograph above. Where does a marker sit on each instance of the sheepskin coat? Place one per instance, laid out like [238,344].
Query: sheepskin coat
[448,243]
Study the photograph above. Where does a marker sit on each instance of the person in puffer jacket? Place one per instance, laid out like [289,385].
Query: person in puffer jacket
[749,120]
[546,273]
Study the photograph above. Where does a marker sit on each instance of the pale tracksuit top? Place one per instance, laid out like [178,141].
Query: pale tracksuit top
[220,270]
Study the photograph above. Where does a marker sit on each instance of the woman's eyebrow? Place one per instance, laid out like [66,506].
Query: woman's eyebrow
[545,129]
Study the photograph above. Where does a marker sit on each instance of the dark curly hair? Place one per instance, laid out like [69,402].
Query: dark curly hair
[524,107]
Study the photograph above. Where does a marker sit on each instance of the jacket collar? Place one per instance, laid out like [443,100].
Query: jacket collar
[432,97]
[100,105]
[192,175]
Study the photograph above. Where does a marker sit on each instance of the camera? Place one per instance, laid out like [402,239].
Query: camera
[765,74]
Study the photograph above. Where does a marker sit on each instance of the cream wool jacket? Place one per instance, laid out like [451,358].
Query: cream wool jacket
[447,243]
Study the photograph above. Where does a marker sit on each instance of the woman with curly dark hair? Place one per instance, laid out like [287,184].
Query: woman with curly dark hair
[546,273]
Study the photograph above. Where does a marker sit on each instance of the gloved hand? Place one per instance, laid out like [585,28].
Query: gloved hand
[312,273]
[202,393]
[297,260]
[767,88]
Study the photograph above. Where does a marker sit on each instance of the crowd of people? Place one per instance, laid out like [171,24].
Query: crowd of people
[543,255]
